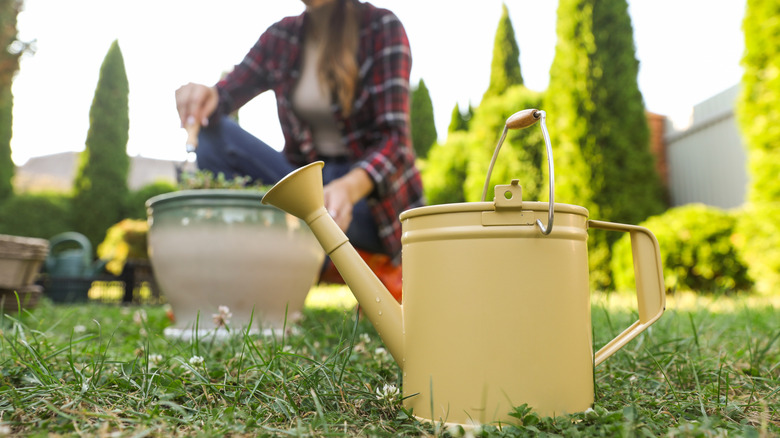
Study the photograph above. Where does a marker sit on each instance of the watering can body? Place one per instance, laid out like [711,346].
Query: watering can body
[495,314]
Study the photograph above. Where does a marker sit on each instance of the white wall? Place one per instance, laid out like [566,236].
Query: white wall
[707,160]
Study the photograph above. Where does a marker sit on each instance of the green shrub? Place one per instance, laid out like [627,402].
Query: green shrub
[445,170]
[456,170]
[136,208]
[698,251]
[40,215]
[522,156]
[758,241]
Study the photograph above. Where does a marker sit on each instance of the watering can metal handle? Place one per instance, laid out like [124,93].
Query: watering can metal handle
[651,293]
[520,120]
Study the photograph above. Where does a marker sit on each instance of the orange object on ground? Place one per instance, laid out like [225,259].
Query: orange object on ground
[387,272]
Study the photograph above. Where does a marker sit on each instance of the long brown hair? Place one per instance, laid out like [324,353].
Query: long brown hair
[338,65]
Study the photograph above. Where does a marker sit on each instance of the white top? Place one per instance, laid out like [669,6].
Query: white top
[311,100]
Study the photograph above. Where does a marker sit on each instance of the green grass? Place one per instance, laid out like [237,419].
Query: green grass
[708,367]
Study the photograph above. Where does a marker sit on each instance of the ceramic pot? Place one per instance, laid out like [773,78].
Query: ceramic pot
[20,260]
[218,247]
[28,297]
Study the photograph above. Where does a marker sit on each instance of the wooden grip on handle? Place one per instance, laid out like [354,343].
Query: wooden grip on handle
[523,119]
[193,129]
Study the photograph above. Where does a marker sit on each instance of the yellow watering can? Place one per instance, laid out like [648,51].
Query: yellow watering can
[496,300]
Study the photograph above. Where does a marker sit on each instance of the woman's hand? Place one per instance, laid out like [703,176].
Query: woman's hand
[343,193]
[195,103]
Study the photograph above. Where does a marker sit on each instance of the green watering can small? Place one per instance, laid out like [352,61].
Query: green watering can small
[70,267]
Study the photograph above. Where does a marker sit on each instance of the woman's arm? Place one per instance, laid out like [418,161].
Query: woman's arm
[389,154]
[270,61]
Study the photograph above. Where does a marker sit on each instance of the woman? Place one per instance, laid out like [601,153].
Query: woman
[340,73]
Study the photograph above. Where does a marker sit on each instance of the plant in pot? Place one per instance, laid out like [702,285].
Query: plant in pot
[214,246]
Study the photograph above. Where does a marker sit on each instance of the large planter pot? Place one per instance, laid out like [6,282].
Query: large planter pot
[20,260]
[219,247]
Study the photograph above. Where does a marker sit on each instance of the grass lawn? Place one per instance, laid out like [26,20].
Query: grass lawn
[709,367]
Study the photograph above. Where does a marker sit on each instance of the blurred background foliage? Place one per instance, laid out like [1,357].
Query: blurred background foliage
[599,133]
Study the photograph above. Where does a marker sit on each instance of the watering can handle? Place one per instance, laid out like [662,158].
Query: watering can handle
[651,293]
[519,120]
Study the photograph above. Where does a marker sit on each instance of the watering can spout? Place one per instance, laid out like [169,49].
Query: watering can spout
[301,194]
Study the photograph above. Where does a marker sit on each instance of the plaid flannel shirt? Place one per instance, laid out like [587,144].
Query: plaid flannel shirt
[376,132]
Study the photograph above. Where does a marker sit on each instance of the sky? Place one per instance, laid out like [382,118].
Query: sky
[689,50]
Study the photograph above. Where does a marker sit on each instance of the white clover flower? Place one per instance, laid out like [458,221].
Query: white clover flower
[364,338]
[222,318]
[196,361]
[380,353]
[85,386]
[388,393]
[155,359]
[139,316]
[79,329]
[455,430]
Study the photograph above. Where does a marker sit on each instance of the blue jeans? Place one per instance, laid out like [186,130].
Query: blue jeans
[226,147]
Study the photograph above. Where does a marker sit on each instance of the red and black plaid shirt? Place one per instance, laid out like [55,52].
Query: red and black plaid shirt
[377,130]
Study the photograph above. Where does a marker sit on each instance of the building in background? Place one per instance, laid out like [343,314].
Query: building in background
[706,162]
[56,172]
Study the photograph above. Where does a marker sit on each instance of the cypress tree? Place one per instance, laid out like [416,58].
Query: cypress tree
[598,124]
[758,109]
[9,65]
[6,163]
[758,115]
[100,187]
[422,124]
[460,121]
[505,67]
